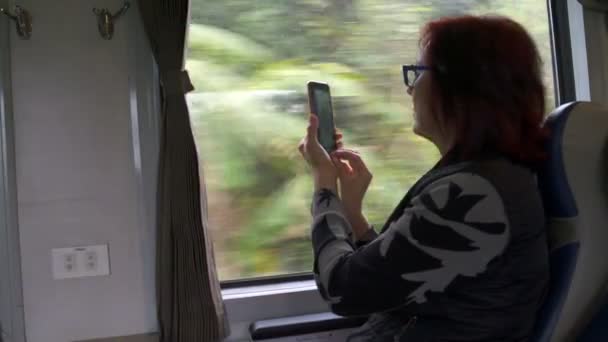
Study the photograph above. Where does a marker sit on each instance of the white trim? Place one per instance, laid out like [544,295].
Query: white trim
[144,100]
[596,36]
[268,290]
[579,51]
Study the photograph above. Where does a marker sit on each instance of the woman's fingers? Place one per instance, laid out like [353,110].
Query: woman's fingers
[338,138]
[311,131]
[356,164]
[353,158]
[351,151]
[339,144]
[313,126]
[343,169]
[302,148]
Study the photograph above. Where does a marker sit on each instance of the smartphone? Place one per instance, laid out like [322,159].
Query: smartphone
[319,100]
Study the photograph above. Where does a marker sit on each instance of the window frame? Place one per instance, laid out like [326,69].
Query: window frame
[564,91]
[266,280]
[561,51]
[9,227]
[145,105]
[296,294]
[590,86]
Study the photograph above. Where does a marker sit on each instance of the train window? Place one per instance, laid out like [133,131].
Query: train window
[250,61]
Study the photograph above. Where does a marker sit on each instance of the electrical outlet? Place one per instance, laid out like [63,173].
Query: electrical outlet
[69,262]
[76,262]
[90,261]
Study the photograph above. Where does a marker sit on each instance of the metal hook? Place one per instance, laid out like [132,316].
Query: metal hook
[23,21]
[105,20]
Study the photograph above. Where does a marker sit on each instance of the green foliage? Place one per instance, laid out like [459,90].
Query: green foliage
[223,46]
[293,74]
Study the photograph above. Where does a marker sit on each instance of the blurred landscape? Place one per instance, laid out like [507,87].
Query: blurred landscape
[250,60]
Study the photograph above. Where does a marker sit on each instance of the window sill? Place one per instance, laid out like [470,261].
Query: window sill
[269,289]
[248,304]
[325,324]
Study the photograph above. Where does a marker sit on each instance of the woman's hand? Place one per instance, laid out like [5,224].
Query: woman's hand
[355,178]
[323,169]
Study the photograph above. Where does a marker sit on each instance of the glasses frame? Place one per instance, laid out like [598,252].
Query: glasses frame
[417,69]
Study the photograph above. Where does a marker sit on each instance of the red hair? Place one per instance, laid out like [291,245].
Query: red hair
[487,73]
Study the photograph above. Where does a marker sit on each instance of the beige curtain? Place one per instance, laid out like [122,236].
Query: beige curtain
[189,302]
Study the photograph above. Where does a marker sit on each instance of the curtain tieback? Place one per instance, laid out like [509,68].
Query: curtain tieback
[176,82]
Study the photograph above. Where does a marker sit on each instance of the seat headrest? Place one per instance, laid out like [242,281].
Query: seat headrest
[575,194]
[578,148]
[553,181]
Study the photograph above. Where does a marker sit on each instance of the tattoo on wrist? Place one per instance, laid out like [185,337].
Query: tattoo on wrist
[325,195]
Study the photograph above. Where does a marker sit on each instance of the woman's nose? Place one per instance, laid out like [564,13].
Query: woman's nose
[410,90]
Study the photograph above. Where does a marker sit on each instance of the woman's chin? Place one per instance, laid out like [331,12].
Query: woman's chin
[416,129]
[419,132]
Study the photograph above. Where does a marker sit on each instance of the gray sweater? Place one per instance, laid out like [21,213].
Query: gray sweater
[462,258]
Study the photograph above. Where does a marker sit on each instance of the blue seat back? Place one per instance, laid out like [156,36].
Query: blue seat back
[561,211]
[577,216]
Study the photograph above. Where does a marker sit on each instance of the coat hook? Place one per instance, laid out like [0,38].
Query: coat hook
[23,21]
[105,20]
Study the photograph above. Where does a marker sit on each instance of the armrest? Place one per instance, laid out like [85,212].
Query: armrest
[300,325]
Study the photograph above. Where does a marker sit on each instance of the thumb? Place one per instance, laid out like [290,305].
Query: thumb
[313,127]
[343,170]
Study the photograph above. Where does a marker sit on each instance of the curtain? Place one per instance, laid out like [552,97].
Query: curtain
[189,304]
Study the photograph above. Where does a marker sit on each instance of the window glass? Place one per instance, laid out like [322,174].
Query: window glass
[250,60]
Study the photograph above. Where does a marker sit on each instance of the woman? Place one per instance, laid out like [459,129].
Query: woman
[463,257]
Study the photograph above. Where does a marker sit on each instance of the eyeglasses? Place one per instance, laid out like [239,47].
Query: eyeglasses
[412,72]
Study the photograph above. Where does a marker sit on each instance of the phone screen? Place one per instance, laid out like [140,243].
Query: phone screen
[322,101]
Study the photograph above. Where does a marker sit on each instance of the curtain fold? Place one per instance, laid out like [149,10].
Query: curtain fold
[189,304]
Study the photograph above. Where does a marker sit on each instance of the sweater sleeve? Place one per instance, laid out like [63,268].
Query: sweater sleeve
[455,226]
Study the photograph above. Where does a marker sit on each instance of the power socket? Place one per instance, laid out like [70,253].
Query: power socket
[76,262]
[90,260]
